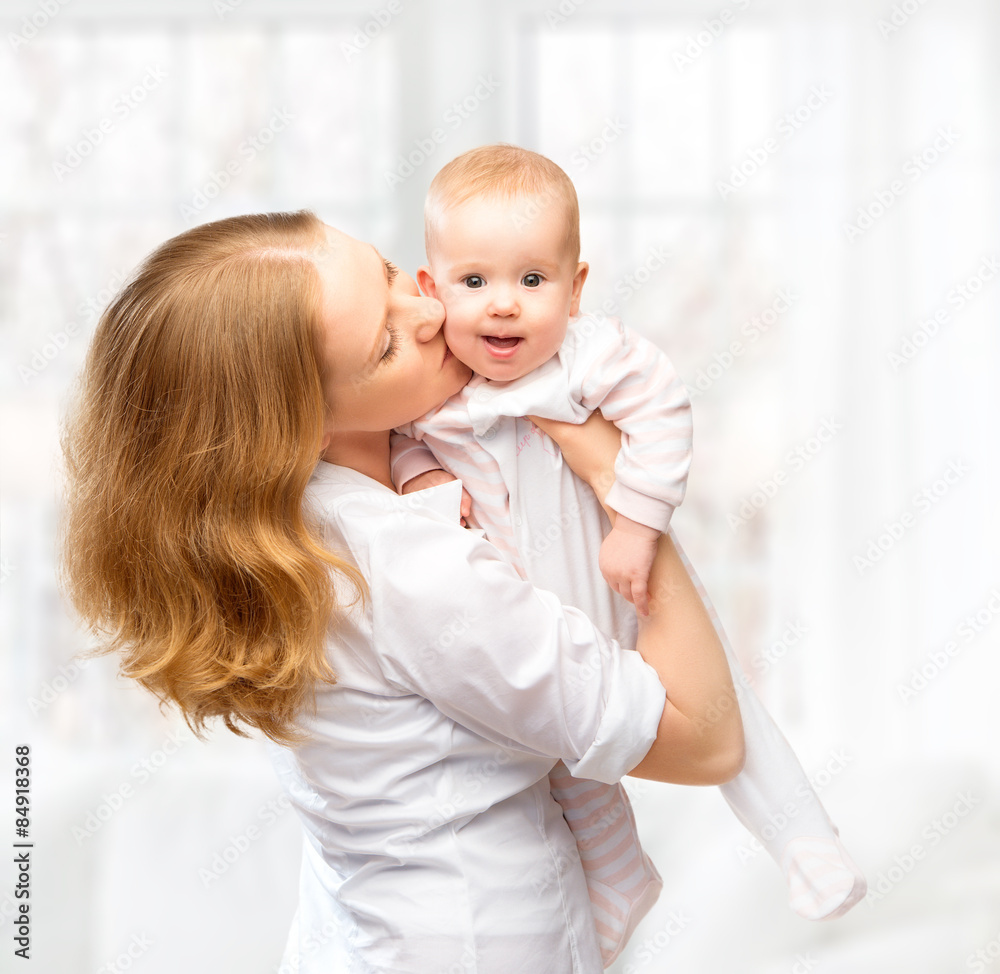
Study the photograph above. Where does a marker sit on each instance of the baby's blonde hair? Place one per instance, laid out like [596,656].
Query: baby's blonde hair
[502,172]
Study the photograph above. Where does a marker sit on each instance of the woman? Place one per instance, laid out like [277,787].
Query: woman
[417,704]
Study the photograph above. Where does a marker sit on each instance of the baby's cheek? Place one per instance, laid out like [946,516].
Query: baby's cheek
[456,329]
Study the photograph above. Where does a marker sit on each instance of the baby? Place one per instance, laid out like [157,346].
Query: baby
[503,244]
[510,289]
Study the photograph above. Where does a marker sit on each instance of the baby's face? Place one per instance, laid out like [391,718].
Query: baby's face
[508,283]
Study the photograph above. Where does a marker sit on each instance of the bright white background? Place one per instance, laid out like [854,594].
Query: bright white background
[174,849]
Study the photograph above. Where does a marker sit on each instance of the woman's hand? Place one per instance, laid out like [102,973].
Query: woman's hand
[589,448]
[431,478]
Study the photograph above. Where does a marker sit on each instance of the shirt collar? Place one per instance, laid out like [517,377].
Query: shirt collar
[445,499]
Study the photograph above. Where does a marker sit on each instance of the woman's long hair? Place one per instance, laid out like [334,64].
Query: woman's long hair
[197,422]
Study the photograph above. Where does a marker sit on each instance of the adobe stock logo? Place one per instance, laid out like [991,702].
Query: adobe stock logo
[899,17]
[923,502]
[39,20]
[379,20]
[787,127]
[795,461]
[932,835]
[454,117]
[984,957]
[584,155]
[712,30]
[920,163]
[123,106]
[753,329]
[557,16]
[958,299]
[938,660]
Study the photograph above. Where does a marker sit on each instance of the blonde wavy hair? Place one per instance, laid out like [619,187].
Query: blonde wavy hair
[196,424]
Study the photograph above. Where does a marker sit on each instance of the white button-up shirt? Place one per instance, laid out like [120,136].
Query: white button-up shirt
[433,844]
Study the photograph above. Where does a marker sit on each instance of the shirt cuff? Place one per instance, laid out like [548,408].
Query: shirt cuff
[411,463]
[630,722]
[651,511]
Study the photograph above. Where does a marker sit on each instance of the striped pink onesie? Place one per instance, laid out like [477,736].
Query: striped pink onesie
[601,365]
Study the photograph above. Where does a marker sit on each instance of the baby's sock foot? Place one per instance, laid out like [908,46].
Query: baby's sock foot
[616,915]
[823,880]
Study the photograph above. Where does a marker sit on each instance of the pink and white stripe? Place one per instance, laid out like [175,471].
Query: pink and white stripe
[622,881]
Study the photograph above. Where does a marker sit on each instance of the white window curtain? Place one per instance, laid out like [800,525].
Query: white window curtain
[798,201]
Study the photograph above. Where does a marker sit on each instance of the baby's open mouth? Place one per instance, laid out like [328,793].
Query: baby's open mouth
[498,342]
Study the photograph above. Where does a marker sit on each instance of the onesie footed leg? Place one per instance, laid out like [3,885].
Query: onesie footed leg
[773,798]
[823,880]
[622,881]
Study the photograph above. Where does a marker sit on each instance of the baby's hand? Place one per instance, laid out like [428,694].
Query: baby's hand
[431,478]
[626,558]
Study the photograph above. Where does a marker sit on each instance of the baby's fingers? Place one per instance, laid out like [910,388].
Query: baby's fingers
[639,597]
[620,586]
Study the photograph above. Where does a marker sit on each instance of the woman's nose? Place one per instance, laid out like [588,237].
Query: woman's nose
[428,318]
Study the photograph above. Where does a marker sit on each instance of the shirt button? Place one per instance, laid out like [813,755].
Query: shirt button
[517,521]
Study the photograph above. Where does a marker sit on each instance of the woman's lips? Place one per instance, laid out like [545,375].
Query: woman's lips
[501,347]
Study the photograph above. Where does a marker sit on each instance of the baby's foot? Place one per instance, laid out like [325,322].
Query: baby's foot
[823,880]
[617,913]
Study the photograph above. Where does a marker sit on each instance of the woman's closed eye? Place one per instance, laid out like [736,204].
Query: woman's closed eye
[391,271]
[393,345]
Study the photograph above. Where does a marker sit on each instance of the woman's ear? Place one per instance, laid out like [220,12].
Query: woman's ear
[582,269]
[426,282]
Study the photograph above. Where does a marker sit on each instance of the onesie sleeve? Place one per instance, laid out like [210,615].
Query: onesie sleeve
[458,626]
[634,385]
[408,458]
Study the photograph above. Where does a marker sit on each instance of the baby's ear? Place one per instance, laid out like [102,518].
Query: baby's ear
[426,282]
[582,269]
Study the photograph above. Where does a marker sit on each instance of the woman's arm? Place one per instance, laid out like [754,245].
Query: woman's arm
[700,736]
[452,622]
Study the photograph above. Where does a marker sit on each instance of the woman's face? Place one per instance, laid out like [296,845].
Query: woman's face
[384,357]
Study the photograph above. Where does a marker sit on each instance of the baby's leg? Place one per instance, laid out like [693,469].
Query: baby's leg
[622,881]
[772,797]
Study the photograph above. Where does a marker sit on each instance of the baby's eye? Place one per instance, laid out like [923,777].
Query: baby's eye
[474,281]
[531,280]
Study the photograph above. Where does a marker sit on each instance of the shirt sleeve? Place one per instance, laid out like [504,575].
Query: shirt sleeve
[635,386]
[455,624]
[408,458]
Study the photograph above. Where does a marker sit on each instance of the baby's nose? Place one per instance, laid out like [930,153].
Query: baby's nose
[503,302]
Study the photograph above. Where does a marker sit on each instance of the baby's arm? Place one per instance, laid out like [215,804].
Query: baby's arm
[634,385]
[414,467]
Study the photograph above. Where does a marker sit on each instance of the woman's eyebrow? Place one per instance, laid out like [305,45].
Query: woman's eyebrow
[385,264]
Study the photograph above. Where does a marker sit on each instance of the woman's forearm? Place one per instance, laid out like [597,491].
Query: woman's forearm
[700,736]
[590,449]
